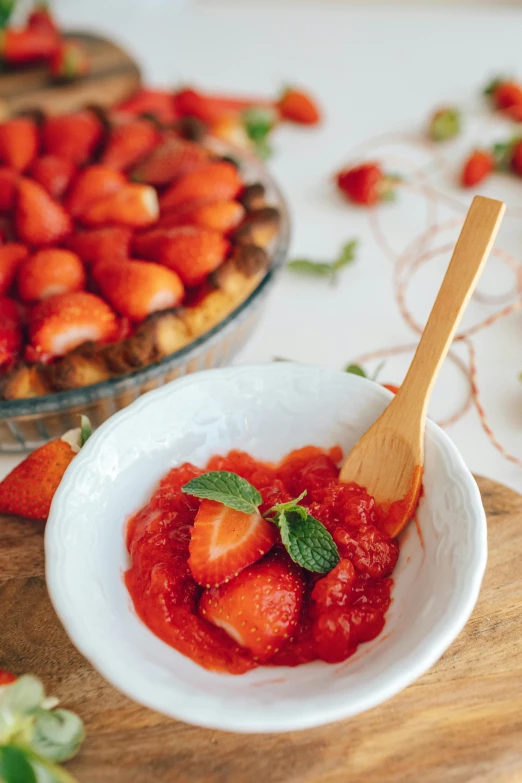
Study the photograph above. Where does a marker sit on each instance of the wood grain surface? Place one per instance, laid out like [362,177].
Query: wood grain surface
[113,77]
[460,723]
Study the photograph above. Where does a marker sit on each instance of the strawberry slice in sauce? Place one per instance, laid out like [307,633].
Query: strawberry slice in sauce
[224,541]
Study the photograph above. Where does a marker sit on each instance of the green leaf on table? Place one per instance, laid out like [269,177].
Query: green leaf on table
[15,766]
[58,734]
[307,541]
[326,268]
[227,488]
[355,369]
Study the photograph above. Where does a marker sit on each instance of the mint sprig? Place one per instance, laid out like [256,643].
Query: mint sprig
[305,538]
[329,269]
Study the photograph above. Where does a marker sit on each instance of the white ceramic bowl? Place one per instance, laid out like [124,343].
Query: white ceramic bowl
[267,411]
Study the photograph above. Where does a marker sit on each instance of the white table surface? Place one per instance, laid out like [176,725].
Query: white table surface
[374,69]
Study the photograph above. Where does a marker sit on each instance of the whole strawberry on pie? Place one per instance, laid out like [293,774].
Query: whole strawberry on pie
[122,242]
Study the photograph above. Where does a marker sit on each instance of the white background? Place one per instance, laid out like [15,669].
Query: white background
[374,69]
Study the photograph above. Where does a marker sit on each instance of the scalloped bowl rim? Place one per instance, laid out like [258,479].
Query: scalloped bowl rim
[114,669]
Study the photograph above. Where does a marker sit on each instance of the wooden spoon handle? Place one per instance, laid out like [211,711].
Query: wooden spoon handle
[469,257]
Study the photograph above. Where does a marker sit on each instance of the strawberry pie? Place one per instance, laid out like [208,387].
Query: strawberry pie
[247,563]
[121,242]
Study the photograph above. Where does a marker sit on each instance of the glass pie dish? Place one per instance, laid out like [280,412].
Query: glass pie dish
[28,423]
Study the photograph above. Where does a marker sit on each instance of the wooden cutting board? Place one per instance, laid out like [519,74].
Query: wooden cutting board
[460,723]
[113,77]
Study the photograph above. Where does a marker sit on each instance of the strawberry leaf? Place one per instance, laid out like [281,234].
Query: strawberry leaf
[326,268]
[15,766]
[227,488]
[356,369]
[86,429]
[306,540]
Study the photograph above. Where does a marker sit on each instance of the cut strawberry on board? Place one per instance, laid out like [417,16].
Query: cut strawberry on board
[53,173]
[11,256]
[129,142]
[174,158]
[69,61]
[224,541]
[49,272]
[131,205]
[39,219]
[72,136]
[138,288]
[19,142]
[27,45]
[61,323]
[92,184]
[109,243]
[29,489]
[260,608]
[215,182]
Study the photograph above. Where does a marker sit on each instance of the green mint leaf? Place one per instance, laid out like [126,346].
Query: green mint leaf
[85,429]
[15,766]
[317,268]
[355,369]
[347,254]
[227,488]
[290,505]
[57,735]
[307,541]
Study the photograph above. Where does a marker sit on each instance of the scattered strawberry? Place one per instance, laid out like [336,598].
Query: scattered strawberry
[29,489]
[109,243]
[91,185]
[53,173]
[61,323]
[191,251]
[260,608]
[27,45]
[157,103]
[215,182]
[506,95]
[444,124]
[138,288]
[50,272]
[212,108]
[6,678]
[69,61]
[221,216]
[8,184]
[73,136]
[41,18]
[131,205]
[10,331]
[365,184]
[297,106]
[129,142]
[223,541]
[39,219]
[11,256]
[477,168]
[19,142]
[173,158]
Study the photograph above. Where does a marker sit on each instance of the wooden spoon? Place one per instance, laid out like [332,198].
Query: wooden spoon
[389,458]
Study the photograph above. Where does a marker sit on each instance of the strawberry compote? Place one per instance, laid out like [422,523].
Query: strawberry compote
[338,611]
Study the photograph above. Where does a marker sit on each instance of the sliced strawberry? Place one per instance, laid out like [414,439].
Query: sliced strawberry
[191,251]
[69,61]
[131,205]
[19,142]
[109,243]
[50,272]
[215,182]
[8,184]
[61,323]
[138,288]
[11,256]
[29,489]
[72,136]
[224,541]
[53,173]
[129,142]
[91,185]
[222,216]
[158,103]
[260,608]
[173,158]
[10,331]
[39,219]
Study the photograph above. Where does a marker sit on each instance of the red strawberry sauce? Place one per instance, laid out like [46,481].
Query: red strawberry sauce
[340,610]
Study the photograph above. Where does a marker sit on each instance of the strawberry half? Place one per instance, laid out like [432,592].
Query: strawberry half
[158,103]
[215,182]
[53,173]
[109,243]
[19,141]
[10,331]
[138,288]
[260,608]
[72,136]
[222,216]
[91,185]
[174,158]
[129,142]
[224,541]
[11,256]
[61,323]
[39,219]
[50,272]
[131,205]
